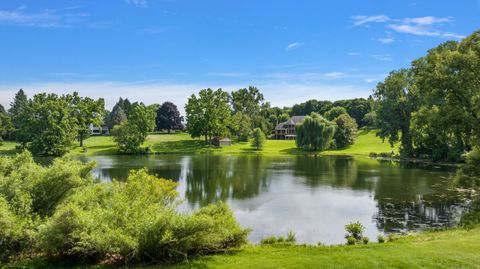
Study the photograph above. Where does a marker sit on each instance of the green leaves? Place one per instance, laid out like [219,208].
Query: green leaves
[315,133]
[208,114]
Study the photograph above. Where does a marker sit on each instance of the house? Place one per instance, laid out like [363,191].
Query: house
[99,130]
[222,141]
[286,130]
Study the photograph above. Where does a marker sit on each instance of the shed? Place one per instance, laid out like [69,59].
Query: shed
[222,141]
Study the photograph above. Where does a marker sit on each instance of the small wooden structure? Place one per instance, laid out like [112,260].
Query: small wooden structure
[222,141]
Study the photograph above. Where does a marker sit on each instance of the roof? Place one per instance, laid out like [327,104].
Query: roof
[294,120]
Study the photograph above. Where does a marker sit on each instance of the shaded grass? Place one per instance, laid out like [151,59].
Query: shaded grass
[182,143]
[444,249]
[7,148]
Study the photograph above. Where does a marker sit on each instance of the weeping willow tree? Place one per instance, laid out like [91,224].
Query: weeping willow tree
[315,133]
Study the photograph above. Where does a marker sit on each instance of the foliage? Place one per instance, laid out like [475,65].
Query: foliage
[370,119]
[136,221]
[86,112]
[335,112]
[355,230]
[311,106]
[116,117]
[19,103]
[345,132]
[351,240]
[30,193]
[365,240]
[46,125]
[132,134]
[381,238]
[258,139]
[357,108]
[272,240]
[168,117]
[208,114]
[241,125]
[471,219]
[249,102]
[5,123]
[315,133]
[396,102]
[469,174]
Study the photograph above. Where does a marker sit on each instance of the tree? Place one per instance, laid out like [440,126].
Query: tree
[19,103]
[241,126]
[258,138]
[250,102]
[346,131]
[310,106]
[396,102]
[131,134]
[208,114]
[47,125]
[117,117]
[168,117]
[86,111]
[335,112]
[356,108]
[125,106]
[5,123]
[315,133]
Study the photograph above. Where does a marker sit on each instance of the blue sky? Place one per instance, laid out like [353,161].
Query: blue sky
[159,50]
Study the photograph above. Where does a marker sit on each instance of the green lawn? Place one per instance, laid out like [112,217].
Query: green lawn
[182,143]
[445,249]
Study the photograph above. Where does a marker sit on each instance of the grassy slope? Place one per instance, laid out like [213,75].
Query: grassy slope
[182,143]
[445,249]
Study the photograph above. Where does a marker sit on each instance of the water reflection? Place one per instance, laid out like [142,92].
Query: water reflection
[313,196]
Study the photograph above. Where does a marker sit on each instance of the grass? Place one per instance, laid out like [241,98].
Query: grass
[456,248]
[182,143]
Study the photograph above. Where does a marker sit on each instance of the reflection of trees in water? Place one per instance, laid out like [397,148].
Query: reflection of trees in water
[411,199]
[401,217]
[217,178]
[330,171]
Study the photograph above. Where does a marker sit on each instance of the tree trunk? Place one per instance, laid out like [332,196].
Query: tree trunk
[169,130]
[81,139]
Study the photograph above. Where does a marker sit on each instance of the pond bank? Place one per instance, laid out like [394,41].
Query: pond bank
[455,248]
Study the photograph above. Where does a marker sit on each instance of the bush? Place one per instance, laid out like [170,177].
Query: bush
[365,240]
[14,234]
[392,237]
[258,138]
[346,131]
[351,240]
[290,239]
[136,221]
[355,229]
[381,238]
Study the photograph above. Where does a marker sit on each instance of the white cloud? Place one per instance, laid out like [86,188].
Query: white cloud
[360,20]
[293,46]
[334,75]
[137,3]
[382,57]
[386,40]
[427,20]
[420,26]
[353,54]
[49,18]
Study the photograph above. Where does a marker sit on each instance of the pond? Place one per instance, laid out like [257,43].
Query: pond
[311,196]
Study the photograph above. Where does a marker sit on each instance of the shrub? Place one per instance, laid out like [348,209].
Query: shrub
[351,240]
[137,221]
[14,235]
[258,138]
[392,237]
[290,239]
[381,238]
[355,229]
[346,131]
[365,240]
